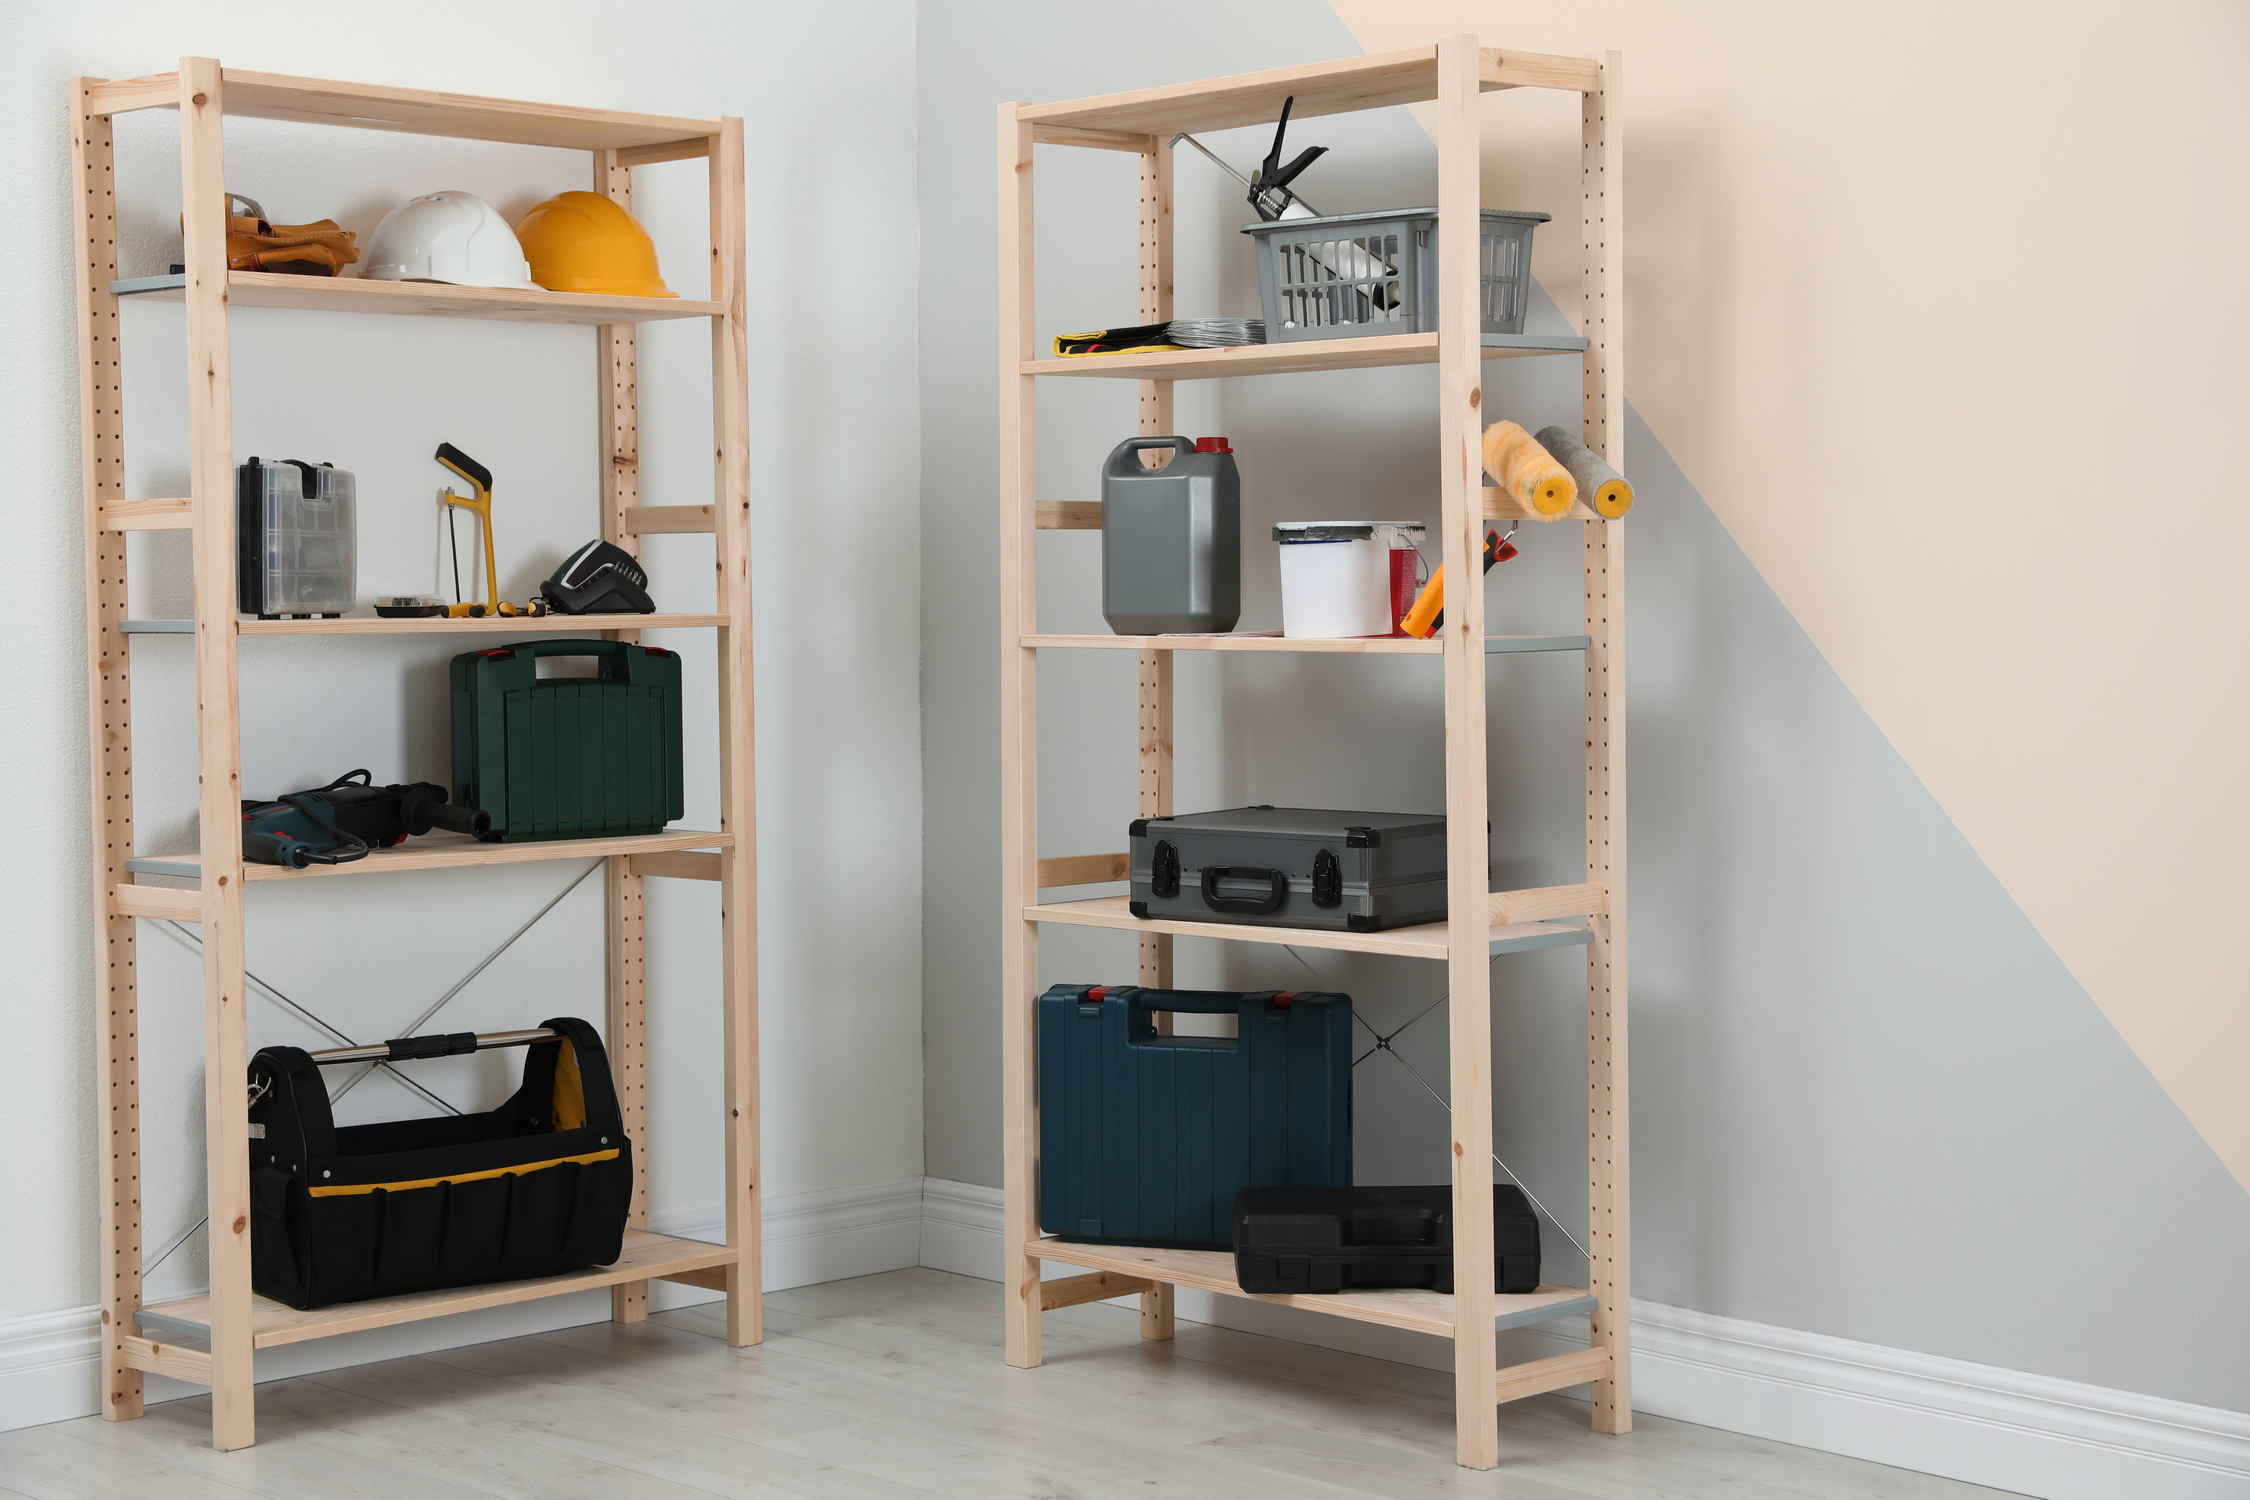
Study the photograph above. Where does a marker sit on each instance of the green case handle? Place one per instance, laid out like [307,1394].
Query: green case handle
[621,655]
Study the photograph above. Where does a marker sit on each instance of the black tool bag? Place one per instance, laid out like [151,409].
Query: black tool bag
[1343,1239]
[538,1186]
[1290,867]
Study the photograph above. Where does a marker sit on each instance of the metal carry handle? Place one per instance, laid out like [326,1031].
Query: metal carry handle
[1253,906]
[446,1044]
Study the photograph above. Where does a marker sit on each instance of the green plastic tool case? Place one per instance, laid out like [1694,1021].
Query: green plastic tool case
[568,757]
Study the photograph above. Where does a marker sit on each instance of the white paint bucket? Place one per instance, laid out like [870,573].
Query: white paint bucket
[1336,577]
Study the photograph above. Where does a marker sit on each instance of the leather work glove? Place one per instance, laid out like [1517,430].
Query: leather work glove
[321,248]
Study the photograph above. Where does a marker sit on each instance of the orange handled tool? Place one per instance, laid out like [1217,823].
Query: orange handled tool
[1427,617]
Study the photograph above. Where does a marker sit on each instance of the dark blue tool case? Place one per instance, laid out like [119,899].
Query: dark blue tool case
[1144,1139]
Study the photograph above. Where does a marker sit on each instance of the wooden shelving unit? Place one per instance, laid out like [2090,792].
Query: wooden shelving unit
[229,1323]
[1454,72]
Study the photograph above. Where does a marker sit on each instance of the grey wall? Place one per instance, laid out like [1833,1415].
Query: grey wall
[1868,1099]
[832,431]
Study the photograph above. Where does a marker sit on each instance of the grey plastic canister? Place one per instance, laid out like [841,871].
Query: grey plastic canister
[1171,540]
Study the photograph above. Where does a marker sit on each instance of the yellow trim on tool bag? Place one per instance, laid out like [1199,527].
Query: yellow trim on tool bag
[570,1088]
[423,1182]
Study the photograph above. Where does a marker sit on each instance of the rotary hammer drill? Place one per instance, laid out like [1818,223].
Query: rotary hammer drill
[338,823]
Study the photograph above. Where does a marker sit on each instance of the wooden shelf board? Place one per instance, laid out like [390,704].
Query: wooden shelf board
[1380,645]
[1425,941]
[587,625]
[1375,351]
[427,299]
[444,851]
[1377,81]
[366,106]
[645,1256]
[1213,1271]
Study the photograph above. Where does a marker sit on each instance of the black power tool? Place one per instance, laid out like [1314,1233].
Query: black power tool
[600,578]
[338,823]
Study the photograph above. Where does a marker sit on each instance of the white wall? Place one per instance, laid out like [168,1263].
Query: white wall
[826,94]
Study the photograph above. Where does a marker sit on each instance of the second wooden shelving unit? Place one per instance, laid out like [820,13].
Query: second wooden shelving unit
[1454,72]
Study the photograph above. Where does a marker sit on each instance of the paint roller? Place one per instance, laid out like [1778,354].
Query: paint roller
[1527,472]
[1608,491]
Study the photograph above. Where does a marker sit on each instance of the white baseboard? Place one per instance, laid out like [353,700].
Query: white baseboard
[2030,1434]
[50,1363]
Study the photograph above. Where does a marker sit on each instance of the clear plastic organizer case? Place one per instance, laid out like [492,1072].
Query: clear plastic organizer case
[297,533]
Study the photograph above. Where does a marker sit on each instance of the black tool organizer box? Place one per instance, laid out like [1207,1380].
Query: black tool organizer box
[1342,1239]
[539,1186]
[1291,867]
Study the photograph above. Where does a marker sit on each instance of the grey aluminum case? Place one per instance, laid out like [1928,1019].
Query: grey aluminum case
[1260,866]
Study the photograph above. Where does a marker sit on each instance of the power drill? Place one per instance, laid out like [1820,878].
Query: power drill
[340,822]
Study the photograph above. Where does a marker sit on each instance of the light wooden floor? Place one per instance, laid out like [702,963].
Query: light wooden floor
[892,1386]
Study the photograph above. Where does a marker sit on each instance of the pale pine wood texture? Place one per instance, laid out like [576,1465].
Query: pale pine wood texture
[442,851]
[738,788]
[147,515]
[1461,527]
[1375,352]
[886,1388]
[1019,756]
[677,865]
[1547,901]
[269,1323]
[1412,75]
[1602,283]
[495,625]
[1428,940]
[218,717]
[1213,1271]
[617,373]
[432,299]
[1084,869]
[101,406]
[1154,751]
[473,117]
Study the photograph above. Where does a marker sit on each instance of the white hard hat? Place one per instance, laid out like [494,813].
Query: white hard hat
[456,237]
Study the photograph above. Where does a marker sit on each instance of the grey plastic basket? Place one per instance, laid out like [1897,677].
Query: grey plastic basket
[1353,275]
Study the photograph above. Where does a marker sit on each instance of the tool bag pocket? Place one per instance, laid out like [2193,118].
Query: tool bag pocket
[539,1186]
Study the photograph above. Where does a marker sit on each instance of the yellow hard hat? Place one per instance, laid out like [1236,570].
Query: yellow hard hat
[584,242]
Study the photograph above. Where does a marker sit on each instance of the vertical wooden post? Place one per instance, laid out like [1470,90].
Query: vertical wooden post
[1602,321]
[101,408]
[1156,666]
[226,1057]
[1460,426]
[616,357]
[738,790]
[1019,753]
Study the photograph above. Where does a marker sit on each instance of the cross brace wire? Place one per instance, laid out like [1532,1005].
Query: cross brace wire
[1383,1044]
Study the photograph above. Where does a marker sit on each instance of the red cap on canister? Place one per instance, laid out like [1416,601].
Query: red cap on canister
[1212,445]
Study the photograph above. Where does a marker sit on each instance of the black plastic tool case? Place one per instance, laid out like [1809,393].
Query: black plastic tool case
[1143,1138]
[1291,867]
[1342,1239]
[539,1186]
